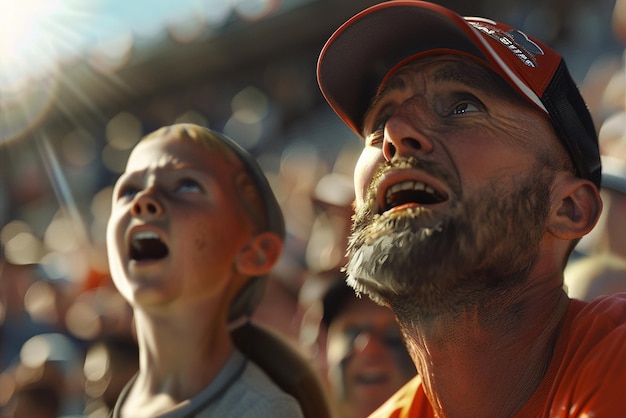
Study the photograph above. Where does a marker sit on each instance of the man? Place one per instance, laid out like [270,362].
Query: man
[479,174]
[193,231]
[366,358]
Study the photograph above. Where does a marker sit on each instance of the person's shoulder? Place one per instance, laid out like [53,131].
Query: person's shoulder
[265,397]
[409,401]
[596,334]
[598,323]
[588,371]
[252,394]
[609,309]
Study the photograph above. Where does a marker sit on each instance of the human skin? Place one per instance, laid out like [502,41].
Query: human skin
[174,189]
[498,316]
[367,360]
[184,193]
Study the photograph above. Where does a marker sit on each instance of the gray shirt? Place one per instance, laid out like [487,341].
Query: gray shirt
[241,389]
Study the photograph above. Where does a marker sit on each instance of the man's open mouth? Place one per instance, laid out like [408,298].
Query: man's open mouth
[411,192]
[147,246]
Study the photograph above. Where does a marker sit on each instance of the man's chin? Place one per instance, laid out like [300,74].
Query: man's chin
[391,256]
[377,292]
[385,278]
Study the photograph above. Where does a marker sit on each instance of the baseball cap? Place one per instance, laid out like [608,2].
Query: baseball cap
[251,294]
[273,212]
[370,46]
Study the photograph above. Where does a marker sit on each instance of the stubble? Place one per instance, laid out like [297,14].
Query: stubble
[424,263]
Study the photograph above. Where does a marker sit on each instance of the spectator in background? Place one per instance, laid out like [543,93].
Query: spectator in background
[39,357]
[598,266]
[596,275]
[609,235]
[110,362]
[35,391]
[366,360]
[18,323]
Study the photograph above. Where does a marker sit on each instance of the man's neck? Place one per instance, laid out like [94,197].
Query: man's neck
[487,362]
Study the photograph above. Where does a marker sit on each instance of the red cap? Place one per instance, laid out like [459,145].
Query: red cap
[373,44]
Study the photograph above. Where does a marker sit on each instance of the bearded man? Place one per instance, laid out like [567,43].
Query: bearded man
[479,174]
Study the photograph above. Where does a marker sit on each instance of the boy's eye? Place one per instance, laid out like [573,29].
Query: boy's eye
[189,185]
[128,192]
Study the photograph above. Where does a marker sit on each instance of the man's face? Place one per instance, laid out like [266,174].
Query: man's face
[176,224]
[367,360]
[452,187]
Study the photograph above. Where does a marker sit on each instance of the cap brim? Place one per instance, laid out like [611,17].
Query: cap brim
[366,48]
[373,44]
[275,218]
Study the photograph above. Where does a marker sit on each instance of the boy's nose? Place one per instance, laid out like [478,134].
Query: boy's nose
[146,205]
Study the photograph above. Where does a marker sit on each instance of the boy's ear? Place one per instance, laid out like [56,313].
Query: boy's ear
[578,207]
[260,255]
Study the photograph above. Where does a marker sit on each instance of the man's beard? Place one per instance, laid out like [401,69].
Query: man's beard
[422,264]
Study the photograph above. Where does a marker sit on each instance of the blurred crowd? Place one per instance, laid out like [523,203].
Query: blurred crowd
[67,346]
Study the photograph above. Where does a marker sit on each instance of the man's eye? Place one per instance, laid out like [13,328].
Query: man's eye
[379,125]
[377,132]
[189,185]
[464,107]
[375,139]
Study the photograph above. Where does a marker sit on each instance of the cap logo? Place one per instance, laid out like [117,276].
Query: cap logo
[514,40]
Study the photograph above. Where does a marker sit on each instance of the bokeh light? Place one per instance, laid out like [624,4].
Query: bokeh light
[23,248]
[88,79]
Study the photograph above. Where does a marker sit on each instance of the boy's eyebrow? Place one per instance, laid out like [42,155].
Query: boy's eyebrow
[122,177]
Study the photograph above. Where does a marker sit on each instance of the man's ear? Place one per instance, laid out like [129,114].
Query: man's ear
[578,207]
[260,255]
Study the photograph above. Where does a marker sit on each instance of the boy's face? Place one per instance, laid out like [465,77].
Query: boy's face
[176,224]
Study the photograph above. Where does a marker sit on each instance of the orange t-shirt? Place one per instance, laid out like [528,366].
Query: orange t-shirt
[586,377]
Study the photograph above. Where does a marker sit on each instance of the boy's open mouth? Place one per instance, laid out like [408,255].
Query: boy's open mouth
[147,245]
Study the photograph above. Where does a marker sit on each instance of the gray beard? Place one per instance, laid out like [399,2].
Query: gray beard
[423,265]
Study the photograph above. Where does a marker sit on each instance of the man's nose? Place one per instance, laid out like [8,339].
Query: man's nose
[146,204]
[403,138]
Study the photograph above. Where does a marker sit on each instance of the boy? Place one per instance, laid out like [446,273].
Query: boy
[194,229]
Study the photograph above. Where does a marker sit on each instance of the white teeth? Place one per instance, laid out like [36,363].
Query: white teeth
[145,235]
[409,185]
